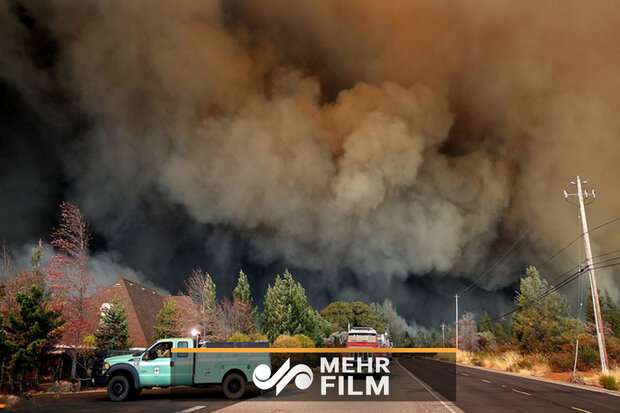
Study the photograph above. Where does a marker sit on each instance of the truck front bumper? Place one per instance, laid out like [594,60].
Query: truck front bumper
[100,380]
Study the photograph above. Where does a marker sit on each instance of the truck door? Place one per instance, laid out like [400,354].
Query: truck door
[154,365]
[182,365]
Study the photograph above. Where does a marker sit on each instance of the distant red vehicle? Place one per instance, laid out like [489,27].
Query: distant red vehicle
[362,337]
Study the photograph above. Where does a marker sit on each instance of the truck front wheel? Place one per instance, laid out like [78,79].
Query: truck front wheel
[118,388]
[234,386]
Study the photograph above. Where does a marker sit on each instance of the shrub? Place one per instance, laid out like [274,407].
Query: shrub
[258,337]
[609,382]
[561,362]
[305,341]
[587,359]
[285,341]
[239,338]
[309,359]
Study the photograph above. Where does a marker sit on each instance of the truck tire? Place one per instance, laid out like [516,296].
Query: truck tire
[234,386]
[119,388]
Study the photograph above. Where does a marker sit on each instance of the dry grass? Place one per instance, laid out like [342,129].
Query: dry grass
[532,365]
[512,361]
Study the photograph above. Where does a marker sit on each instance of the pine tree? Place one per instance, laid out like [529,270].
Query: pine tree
[609,312]
[168,321]
[287,311]
[485,323]
[32,333]
[242,290]
[113,333]
[542,320]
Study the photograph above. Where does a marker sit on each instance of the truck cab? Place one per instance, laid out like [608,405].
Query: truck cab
[159,366]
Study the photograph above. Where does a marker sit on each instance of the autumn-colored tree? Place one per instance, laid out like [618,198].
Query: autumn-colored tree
[69,281]
[234,317]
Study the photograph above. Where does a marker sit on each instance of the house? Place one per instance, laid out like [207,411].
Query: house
[142,305]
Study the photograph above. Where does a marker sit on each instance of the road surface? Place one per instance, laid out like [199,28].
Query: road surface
[477,391]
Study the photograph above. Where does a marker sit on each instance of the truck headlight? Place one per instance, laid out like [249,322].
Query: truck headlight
[106,366]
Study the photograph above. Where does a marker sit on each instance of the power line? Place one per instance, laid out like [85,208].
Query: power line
[572,277]
[508,253]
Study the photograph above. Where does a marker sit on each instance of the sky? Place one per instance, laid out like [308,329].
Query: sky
[377,151]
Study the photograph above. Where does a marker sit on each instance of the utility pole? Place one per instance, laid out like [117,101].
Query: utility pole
[598,320]
[456,320]
[443,335]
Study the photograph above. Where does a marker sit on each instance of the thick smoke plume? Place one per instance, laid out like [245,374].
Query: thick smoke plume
[348,139]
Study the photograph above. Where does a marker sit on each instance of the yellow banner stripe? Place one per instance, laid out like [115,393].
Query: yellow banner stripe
[311,350]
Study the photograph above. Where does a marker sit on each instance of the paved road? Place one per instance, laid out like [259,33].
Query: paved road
[183,399]
[482,391]
[477,391]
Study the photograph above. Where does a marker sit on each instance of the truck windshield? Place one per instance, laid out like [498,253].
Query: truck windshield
[359,338]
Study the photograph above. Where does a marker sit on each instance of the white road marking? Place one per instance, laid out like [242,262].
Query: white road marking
[580,410]
[522,392]
[503,386]
[426,387]
[191,409]
[486,381]
[465,374]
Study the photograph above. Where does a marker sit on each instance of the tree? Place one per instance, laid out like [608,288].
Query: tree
[31,333]
[201,288]
[243,302]
[113,332]
[69,280]
[242,290]
[394,324]
[234,317]
[609,312]
[286,311]
[485,323]
[167,323]
[468,335]
[542,320]
[341,314]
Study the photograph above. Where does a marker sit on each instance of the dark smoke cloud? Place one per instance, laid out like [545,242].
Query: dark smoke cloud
[375,149]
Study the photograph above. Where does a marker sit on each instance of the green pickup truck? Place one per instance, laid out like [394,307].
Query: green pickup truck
[126,376]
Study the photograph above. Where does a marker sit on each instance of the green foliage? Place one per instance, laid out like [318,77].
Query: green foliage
[286,311]
[609,311]
[28,335]
[239,338]
[285,341]
[168,320]
[242,290]
[609,382]
[542,323]
[501,331]
[305,341]
[258,337]
[210,295]
[340,314]
[393,323]
[113,332]
[485,323]
[587,358]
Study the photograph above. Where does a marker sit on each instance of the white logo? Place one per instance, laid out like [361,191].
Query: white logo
[263,380]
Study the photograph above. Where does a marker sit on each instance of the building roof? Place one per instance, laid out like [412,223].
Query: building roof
[142,305]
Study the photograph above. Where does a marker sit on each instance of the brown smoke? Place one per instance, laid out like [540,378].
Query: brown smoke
[391,139]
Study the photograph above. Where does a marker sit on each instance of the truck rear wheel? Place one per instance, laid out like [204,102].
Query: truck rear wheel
[234,386]
[118,388]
